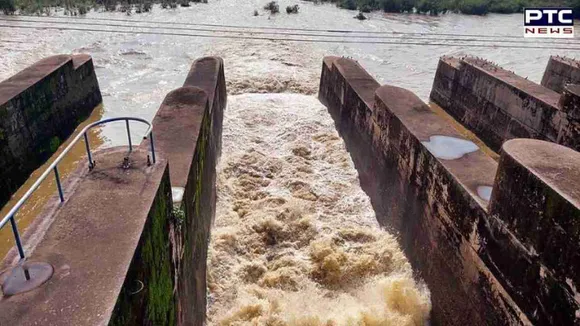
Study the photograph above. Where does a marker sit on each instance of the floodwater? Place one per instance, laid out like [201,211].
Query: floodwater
[295,240]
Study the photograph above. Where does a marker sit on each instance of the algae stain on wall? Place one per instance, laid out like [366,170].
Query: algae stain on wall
[148,296]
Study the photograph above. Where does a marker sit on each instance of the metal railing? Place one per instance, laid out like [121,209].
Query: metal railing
[10,217]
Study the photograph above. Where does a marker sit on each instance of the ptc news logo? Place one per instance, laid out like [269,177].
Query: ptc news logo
[549,22]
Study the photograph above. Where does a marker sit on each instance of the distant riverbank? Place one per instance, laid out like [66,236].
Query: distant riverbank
[428,7]
[81,7]
[436,7]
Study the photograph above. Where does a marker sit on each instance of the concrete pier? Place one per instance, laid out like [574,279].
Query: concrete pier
[189,125]
[560,72]
[108,244]
[496,242]
[123,249]
[39,109]
[498,105]
[534,241]
[456,210]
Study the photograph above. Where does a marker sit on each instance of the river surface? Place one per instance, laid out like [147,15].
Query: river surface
[295,240]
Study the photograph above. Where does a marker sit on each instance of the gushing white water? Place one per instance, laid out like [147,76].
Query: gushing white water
[295,240]
[177,194]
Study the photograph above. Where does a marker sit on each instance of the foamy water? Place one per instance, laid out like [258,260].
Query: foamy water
[295,240]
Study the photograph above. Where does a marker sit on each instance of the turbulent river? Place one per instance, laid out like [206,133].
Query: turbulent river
[295,240]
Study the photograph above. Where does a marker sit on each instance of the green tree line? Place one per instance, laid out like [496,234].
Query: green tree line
[431,7]
[81,7]
[436,7]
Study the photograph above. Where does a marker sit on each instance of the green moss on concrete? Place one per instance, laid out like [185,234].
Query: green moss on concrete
[157,256]
[54,144]
[152,265]
[178,215]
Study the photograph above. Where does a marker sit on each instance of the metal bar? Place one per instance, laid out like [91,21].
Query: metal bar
[19,246]
[129,136]
[57,160]
[58,185]
[17,238]
[53,167]
[88,146]
[152,146]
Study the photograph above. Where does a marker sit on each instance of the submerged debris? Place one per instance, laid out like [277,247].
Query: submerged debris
[273,7]
[360,16]
[292,9]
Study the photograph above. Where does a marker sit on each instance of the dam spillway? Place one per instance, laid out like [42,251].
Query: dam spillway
[455,211]
[295,240]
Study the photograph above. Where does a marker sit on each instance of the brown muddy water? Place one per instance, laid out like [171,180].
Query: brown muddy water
[295,240]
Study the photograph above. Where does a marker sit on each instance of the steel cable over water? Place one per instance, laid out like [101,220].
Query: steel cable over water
[281,28]
[243,37]
[426,37]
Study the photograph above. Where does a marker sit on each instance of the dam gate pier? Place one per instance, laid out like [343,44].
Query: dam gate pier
[489,221]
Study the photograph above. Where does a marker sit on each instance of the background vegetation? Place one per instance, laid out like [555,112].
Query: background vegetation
[431,7]
[435,7]
[81,7]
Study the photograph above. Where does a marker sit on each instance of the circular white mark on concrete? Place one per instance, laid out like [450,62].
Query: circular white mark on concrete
[449,148]
[177,194]
[484,192]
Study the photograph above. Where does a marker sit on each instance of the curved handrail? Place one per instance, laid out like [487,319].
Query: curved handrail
[53,167]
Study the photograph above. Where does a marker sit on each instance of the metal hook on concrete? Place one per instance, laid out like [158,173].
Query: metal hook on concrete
[126,163]
[142,286]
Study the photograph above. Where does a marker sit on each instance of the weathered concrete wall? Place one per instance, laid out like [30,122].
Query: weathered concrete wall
[39,108]
[421,197]
[208,74]
[124,249]
[570,105]
[496,104]
[559,72]
[188,129]
[110,248]
[534,221]
[507,256]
